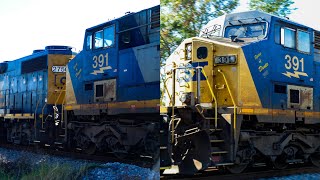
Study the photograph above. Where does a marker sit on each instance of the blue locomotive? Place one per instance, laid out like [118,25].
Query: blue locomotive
[246,91]
[105,99]
[31,88]
[112,95]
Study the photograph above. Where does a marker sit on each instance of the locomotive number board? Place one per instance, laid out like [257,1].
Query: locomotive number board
[58,69]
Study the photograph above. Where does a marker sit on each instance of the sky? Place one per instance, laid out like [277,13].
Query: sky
[27,25]
[307,12]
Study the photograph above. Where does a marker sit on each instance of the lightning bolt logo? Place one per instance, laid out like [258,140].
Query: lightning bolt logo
[101,70]
[296,74]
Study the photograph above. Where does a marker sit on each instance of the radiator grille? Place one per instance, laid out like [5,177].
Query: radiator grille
[317,40]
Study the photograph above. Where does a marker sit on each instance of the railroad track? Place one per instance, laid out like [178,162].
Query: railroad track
[254,173]
[145,162]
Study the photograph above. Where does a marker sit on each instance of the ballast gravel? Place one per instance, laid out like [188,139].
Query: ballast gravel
[110,171]
[119,171]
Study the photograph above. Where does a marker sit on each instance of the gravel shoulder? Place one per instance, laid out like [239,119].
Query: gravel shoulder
[28,165]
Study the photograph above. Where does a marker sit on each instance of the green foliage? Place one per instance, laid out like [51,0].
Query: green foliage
[276,7]
[21,169]
[181,19]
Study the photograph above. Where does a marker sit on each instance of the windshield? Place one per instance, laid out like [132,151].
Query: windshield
[246,30]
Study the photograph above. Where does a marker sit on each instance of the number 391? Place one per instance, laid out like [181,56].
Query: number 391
[294,63]
[100,61]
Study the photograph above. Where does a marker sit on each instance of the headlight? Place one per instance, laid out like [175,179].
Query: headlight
[230,59]
[188,51]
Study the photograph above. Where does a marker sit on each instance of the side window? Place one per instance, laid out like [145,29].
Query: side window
[108,36]
[89,42]
[98,40]
[288,37]
[295,39]
[303,41]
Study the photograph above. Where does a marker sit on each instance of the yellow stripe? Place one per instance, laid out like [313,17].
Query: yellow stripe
[19,116]
[276,112]
[128,104]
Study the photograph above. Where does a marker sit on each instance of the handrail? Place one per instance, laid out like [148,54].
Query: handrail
[61,91]
[173,101]
[35,117]
[213,98]
[165,87]
[55,104]
[62,109]
[43,109]
[232,99]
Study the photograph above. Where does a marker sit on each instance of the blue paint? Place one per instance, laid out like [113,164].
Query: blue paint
[24,92]
[268,68]
[134,39]
[199,64]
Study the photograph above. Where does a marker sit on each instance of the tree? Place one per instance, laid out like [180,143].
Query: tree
[181,19]
[276,7]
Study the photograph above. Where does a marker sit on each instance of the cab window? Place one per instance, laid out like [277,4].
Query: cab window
[108,36]
[295,39]
[98,39]
[89,42]
[288,37]
[303,41]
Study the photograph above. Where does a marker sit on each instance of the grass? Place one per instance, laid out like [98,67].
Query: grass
[22,169]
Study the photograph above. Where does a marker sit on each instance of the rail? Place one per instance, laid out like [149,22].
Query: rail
[213,99]
[42,120]
[173,102]
[166,89]
[35,118]
[55,104]
[233,102]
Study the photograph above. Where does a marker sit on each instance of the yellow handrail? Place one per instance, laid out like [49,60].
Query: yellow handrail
[232,99]
[213,99]
[173,101]
[165,88]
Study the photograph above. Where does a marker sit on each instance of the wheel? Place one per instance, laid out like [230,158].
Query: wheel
[90,148]
[237,168]
[86,144]
[116,147]
[280,162]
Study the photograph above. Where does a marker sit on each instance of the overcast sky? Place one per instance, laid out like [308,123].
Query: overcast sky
[33,24]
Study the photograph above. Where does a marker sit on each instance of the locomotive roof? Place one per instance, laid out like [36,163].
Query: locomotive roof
[46,51]
[261,14]
[114,20]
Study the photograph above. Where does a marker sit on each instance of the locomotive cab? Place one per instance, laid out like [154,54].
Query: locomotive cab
[237,81]
[113,87]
